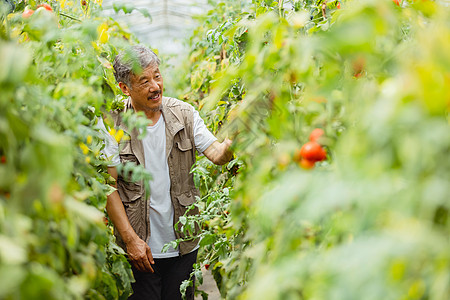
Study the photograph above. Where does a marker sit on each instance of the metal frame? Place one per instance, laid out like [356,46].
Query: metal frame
[172,21]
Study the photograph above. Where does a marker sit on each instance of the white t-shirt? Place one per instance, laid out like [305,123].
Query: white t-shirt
[161,209]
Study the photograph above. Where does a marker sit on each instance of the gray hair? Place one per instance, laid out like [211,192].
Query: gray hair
[125,62]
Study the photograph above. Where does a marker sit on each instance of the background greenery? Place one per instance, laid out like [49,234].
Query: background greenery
[56,77]
[371,222]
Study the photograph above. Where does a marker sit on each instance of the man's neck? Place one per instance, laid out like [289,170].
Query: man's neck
[153,116]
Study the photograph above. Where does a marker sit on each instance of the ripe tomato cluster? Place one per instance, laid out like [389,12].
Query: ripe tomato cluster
[311,152]
[28,12]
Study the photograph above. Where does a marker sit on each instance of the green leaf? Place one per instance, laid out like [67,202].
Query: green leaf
[14,63]
[11,277]
[207,239]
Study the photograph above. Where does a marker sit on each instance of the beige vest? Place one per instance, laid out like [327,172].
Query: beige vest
[180,151]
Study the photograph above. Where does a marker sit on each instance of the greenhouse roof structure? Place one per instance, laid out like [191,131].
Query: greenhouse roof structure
[170,22]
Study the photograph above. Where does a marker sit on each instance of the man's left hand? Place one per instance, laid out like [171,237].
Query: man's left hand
[219,153]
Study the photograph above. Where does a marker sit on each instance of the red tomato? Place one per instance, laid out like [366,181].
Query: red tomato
[338,5]
[206,266]
[316,134]
[27,13]
[307,164]
[3,159]
[398,2]
[46,6]
[312,151]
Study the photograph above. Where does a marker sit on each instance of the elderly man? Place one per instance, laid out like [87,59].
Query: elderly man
[143,226]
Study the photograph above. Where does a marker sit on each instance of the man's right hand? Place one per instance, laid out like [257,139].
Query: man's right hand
[140,255]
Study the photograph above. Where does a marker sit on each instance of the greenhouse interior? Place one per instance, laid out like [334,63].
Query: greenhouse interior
[225,149]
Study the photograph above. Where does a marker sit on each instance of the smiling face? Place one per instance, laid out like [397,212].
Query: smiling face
[145,90]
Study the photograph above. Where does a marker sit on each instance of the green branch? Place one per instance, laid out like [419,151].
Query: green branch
[69,16]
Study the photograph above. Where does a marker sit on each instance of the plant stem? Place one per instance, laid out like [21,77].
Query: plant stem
[69,16]
[324,9]
[280,7]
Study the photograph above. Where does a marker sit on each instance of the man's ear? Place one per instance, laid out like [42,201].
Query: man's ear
[125,89]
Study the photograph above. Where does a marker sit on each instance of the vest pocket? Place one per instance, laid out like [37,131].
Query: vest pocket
[126,154]
[186,199]
[125,146]
[133,201]
[183,202]
[184,155]
[184,145]
[129,191]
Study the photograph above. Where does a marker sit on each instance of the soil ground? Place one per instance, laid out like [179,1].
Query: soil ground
[209,286]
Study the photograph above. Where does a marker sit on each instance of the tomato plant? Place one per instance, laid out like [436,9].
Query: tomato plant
[362,73]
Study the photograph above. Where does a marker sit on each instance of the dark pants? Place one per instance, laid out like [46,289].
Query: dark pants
[165,283]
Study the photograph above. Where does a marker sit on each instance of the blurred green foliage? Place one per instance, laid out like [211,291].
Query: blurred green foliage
[56,80]
[371,222]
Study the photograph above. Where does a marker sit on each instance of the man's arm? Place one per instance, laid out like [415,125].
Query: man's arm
[138,251]
[219,153]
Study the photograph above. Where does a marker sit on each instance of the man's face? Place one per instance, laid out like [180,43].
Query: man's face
[145,89]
